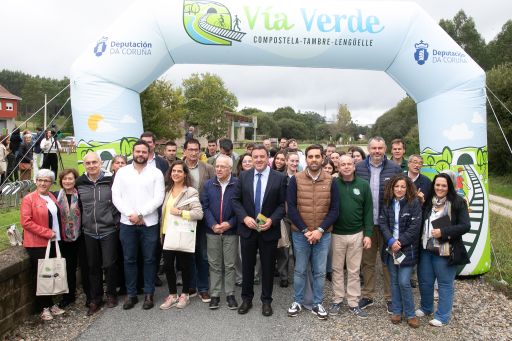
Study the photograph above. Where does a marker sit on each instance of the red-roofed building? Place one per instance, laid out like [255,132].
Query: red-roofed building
[8,109]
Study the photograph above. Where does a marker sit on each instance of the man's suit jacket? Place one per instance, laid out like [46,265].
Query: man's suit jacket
[272,206]
[206,172]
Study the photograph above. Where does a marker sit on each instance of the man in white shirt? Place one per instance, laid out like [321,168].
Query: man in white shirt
[137,192]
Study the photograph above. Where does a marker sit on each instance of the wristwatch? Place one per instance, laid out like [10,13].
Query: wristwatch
[320,229]
[304,230]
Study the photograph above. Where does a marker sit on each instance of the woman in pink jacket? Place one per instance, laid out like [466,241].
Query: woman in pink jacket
[42,221]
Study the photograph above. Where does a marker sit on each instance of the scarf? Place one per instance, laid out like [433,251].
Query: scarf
[71,214]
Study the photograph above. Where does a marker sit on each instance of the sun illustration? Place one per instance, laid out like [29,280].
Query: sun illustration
[93,120]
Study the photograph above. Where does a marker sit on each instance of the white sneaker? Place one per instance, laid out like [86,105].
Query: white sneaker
[436,323]
[294,309]
[46,315]
[56,311]
[170,301]
[419,313]
[319,311]
[183,301]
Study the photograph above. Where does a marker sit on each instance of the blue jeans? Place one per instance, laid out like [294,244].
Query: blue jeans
[430,268]
[402,299]
[199,262]
[304,254]
[147,237]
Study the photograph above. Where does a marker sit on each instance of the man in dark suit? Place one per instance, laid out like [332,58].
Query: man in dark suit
[260,190]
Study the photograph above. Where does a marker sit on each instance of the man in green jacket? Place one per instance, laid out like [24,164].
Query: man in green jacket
[351,233]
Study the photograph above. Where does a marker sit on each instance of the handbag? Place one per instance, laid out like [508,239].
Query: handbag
[438,248]
[284,241]
[180,234]
[52,277]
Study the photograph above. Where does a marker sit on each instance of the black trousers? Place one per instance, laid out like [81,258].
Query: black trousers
[184,259]
[268,249]
[75,255]
[34,254]
[50,161]
[102,256]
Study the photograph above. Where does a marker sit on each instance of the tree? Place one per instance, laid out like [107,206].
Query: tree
[163,109]
[462,29]
[267,125]
[285,112]
[499,81]
[396,122]
[343,120]
[292,129]
[206,101]
[500,48]
[412,141]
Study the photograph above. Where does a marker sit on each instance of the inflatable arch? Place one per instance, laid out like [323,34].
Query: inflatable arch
[396,37]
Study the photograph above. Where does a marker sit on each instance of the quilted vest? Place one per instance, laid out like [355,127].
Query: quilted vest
[313,199]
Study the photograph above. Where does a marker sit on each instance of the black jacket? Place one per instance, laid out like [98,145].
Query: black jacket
[99,215]
[409,226]
[460,225]
[389,169]
[272,206]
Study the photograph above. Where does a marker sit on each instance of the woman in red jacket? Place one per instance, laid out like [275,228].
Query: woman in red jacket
[41,220]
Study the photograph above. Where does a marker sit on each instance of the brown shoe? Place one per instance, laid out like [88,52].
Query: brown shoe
[111,301]
[396,319]
[205,297]
[413,322]
[93,309]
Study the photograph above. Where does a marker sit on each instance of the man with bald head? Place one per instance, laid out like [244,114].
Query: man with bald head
[100,221]
[351,234]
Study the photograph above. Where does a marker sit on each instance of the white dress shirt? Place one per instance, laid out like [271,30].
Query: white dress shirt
[138,193]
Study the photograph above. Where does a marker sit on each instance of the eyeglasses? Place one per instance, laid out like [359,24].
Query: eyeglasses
[192,150]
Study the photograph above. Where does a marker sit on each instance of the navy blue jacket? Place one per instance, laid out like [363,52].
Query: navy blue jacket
[409,227]
[389,169]
[212,200]
[423,183]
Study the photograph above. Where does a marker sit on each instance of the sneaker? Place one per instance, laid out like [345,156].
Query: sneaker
[320,312]
[170,301]
[46,315]
[365,303]
[294,309]
[232,303]
[334,308]
[436,323]
[358,312]
[205,297]
[389,307]
[56,311]
[183,301]
[192,293]
[419,313]
[214,303]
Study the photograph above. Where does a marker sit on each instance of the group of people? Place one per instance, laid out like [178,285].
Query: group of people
[339,211]
[22,153]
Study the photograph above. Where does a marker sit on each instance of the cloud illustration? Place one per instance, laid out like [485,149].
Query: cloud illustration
[127,119]
[458,132]
[105,127]
[477,118]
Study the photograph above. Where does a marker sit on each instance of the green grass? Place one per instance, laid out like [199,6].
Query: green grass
[501,185]
[501,235]
[12,216]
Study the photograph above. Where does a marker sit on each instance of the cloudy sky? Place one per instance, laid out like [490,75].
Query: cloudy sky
[44,37]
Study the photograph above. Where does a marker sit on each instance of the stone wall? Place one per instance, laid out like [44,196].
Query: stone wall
[17,291]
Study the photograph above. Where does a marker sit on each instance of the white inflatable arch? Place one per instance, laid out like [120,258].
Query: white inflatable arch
[398,38]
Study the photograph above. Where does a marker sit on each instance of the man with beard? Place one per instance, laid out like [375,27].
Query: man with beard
[313,206]
[170,152]
[137,192]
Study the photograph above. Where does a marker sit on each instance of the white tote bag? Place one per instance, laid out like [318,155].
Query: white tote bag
[52,277]
[180,234]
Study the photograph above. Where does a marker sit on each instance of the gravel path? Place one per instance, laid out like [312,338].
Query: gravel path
[500,205]
[480,313]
